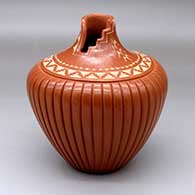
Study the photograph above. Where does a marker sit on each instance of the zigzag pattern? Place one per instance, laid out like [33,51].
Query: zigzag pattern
[77,73]
[121,53]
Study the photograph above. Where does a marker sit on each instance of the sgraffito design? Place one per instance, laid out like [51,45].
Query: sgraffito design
[54,65]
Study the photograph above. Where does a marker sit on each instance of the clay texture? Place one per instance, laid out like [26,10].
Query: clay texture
[96,101]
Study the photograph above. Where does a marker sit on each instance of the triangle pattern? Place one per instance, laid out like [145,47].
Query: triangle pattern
[46,62]
[76,74]
[84,73]
[100,74]
[114,73]
[123,74]
[144,65]
[59,68]
[62,73]
[92,76]
[127,71]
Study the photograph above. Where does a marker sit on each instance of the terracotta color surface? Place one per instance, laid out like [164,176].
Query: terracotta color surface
[96,101]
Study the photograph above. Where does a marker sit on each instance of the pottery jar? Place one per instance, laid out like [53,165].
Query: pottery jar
[97,102]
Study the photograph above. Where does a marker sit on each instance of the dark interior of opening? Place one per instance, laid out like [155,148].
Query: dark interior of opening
[94,25]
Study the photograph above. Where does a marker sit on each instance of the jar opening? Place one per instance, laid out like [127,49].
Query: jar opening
[95,24]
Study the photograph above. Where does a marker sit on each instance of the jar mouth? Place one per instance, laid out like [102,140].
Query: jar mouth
[92,28]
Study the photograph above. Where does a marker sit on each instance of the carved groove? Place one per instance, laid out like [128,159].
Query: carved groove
[58,111]
[39,110]
[147,118]
[92,130]
[81,124]
[42,108]
[130,130]
[122,127]
[52,119]
[73,130]
[58,121]
[112,129]
[48,108]
[138,108]
[102,138]
[62,99]
[143,116]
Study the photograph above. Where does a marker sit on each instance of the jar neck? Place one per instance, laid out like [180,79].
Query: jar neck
[97,31]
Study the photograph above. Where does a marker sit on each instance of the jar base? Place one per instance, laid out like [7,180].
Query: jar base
[98,172]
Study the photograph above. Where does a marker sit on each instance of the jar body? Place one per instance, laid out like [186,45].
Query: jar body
[97,126]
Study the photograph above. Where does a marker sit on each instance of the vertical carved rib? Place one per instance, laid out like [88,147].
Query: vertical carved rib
[67,120]
[38,107]
[145,116]
[136,119]
[57,115]
[31,83]
[73,130]
[86,114]
[50,113]
[159,96]
[41,100]
[36,88]
[32,94]
[159,76]
[43,108]
[155,102]
[102,128]
[159,72]
[140,118]
[162,83]
[97,123]
[129,114]
[117,104]
[76,122]
[92,130]
[150,112]
[108,123]
[81,122]
[160,90]
[120,130]
[64,133]
[112,129]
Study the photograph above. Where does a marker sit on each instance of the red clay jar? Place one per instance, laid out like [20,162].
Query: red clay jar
[97,102]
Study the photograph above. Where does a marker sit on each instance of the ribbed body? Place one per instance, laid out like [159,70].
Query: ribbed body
[97,126]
